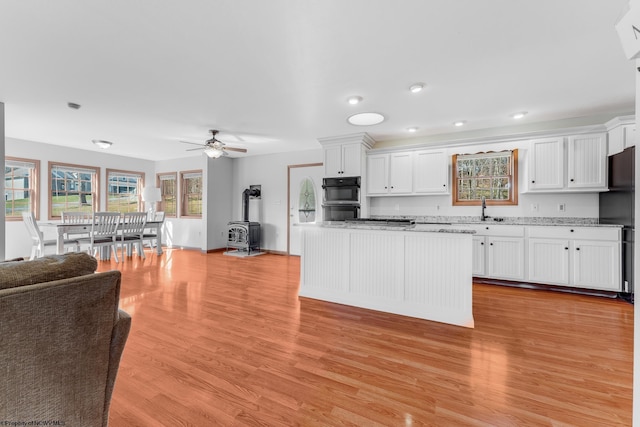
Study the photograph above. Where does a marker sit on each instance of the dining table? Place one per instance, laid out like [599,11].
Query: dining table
[155,227]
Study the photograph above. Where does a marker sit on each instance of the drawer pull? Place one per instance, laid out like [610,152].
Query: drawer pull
[566,248]
[571,230]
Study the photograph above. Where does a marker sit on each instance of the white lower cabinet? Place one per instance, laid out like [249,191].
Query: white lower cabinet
[582,257]
[478,262]
[596,265]
[505,258]
[549,261]
[498,251]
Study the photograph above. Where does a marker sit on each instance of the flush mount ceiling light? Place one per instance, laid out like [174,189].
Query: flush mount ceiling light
[102,144]
[366,119]
[412,129]
[353,100]
[459,123]
[416,87]
[519,115]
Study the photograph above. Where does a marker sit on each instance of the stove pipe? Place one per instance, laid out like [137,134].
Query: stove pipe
[249,192]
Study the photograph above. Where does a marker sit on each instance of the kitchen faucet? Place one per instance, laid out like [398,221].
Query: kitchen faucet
[484,217]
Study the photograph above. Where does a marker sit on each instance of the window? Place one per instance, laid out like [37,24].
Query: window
[124,190]
[72,188]
[307,202]
[493,176]
[168,186]
[191,186]
[21,187]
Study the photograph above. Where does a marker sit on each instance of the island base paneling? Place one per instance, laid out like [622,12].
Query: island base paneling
[419,274]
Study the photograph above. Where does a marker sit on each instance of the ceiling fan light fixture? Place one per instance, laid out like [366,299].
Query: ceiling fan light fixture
[214,153]
[412,129]
[102,144]
[459,123]
[519,115]
[353,100]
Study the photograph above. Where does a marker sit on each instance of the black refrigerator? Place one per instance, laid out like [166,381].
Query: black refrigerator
[617,207]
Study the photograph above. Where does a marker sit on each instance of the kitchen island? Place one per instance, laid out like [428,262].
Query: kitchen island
[421,271]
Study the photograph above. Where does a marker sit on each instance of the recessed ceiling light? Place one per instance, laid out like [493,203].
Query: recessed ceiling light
[519,115]
[416,87]
[412,129]
[366,119]
[353,100]
[102,144]
[460,123]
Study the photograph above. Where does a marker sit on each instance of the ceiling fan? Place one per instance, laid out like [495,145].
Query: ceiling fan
[214,147]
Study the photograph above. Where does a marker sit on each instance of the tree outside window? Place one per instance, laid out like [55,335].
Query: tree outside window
[492,176]
[21,187]
[167,182]
[191,193]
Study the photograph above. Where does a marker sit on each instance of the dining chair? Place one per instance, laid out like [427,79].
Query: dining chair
[77,218]
[104,232]
[37,238]
[131,232]
[152,237]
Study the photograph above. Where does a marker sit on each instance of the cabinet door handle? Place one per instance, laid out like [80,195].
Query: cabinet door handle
[533,182]
[481,243]
[571,230]
[392,186]
[491,244]
[487,228]
[444,185]
[566,249]
[577,249]
[571,180]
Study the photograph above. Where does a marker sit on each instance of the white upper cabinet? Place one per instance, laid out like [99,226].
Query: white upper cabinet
[587,161]
[577,164]
[345,155]
[546,164]
[431,172]
[390,173]
[621,134]
[343,160]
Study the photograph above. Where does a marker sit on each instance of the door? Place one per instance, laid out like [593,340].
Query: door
[377,174]
[401,173]
[546,164]
[505,258]
[549,261]
[587,161]
[305,201]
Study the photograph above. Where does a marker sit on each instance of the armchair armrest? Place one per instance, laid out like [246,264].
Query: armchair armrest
[118,339]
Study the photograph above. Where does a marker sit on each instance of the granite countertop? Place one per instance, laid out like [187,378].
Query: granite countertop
[546,221]
[430,228]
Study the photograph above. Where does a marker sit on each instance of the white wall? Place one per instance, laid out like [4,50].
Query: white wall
[219,196]
[269,171]
[17,241]
[577,204]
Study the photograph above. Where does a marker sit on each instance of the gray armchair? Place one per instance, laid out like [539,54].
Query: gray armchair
[61,339]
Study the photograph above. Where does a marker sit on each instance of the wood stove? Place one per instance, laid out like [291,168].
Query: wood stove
[244,236]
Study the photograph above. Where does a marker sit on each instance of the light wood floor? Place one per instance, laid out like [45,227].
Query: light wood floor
[218,340]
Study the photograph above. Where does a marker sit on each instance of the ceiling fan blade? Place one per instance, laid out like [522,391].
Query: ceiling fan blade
[195,149]
[239,150]
[192,143]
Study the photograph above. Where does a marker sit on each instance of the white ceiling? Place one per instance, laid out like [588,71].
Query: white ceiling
[276,74]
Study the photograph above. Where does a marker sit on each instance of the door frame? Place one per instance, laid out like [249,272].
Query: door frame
[289,167]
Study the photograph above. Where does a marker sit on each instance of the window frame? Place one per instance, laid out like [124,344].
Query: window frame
[33,189]
[141,182]
[162,203]
[95,190]
[184,196]
[513,188]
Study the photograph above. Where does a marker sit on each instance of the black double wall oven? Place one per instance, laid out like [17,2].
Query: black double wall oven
[341,198]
